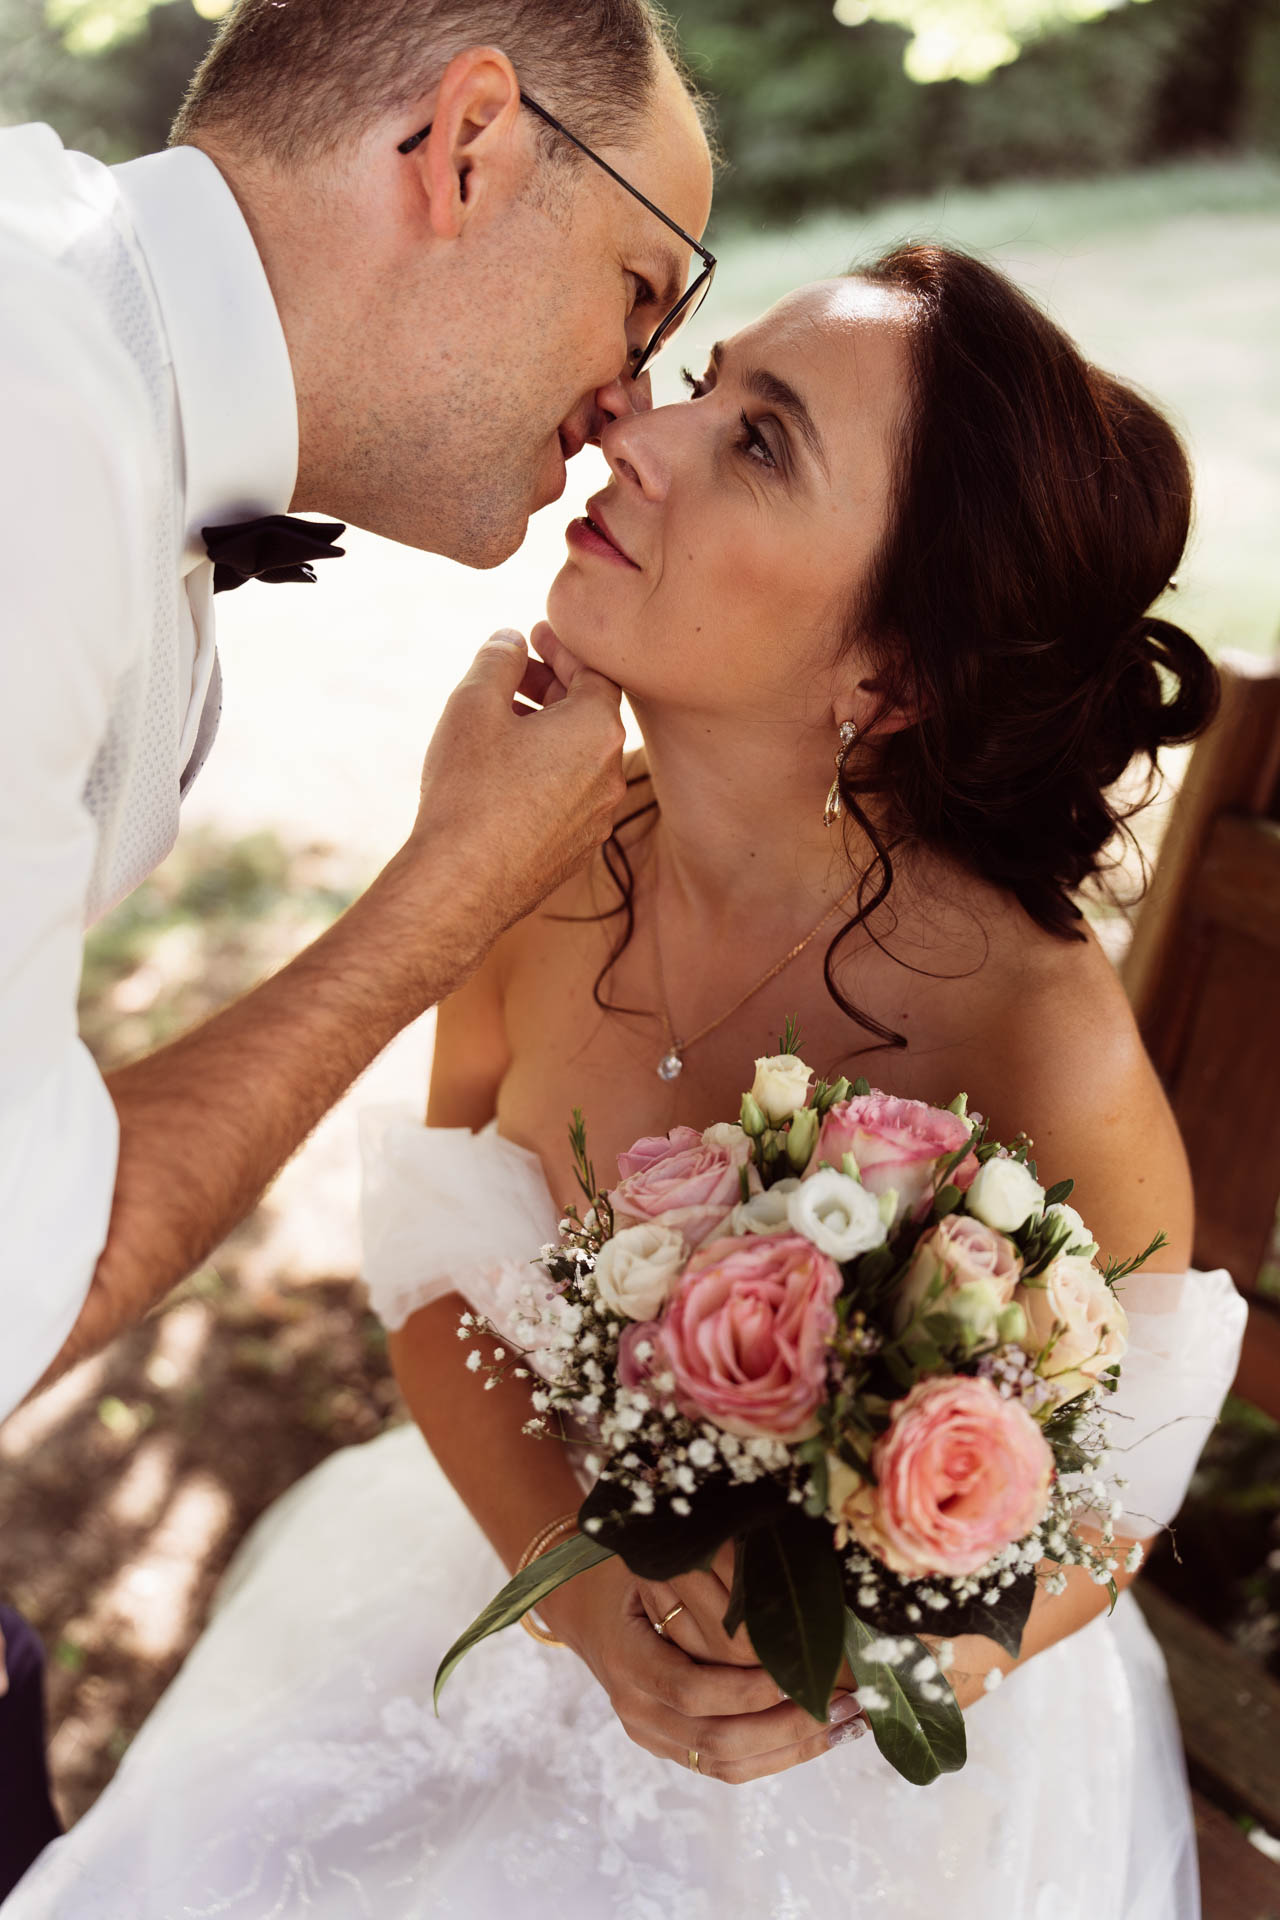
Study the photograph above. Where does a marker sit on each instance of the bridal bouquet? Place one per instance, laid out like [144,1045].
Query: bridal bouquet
[855,1337]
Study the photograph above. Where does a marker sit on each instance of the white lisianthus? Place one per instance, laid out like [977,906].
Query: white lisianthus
[837,1214]
[636,1270]
[763,1212]
[727,1134]
[1004,1195]
[781,1085]
[1061,1215]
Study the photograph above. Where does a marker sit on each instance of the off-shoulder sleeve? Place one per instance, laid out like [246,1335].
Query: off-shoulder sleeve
[444,1210]
[1185,1332]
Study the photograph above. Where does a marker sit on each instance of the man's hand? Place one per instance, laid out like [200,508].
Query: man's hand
[515,799]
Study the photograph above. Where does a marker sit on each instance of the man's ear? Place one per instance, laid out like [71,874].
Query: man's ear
[473,146]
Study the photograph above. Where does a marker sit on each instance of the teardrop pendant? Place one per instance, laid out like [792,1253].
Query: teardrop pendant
[831,812]
[671,1066]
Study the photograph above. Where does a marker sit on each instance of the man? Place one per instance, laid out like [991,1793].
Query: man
[378,276]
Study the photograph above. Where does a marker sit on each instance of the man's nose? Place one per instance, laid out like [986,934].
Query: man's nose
[619,398]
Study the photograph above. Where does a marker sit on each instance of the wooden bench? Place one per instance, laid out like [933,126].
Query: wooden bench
[1203,975]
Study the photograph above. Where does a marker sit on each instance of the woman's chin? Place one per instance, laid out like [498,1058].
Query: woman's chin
[580,622]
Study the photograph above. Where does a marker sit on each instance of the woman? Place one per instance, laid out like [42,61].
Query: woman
[903,522]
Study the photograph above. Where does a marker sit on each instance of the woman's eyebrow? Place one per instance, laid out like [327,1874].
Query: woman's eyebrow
[778,393]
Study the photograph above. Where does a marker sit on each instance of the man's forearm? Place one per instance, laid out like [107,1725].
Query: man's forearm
[207,1122]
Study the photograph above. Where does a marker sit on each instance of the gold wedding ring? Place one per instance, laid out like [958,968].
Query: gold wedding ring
[660,1626]
[693,1761]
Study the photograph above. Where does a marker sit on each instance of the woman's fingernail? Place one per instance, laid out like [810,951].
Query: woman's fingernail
[848,1730]
[843,1708]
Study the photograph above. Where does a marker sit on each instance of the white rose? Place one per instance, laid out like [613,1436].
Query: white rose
[1061,1215]
[1004,1195]
[838,1214]
[1072,1311]
[732,1138]
[636,1270]
[781,1085]
[763,1212]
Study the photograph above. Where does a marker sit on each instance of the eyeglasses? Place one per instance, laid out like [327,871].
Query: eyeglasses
[696,292]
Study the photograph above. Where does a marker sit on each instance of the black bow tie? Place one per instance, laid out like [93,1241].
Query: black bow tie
[278,547]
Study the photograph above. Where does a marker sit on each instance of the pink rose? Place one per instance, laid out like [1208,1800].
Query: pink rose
[966,1254]
[959,1472]
[895,1144]
[746,1334]
[681,1182]
[634,1367]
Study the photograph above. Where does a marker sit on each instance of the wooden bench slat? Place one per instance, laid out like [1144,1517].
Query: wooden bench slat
[1236,1881]
[1228,1707]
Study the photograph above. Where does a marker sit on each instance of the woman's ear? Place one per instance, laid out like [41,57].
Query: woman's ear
[881,708]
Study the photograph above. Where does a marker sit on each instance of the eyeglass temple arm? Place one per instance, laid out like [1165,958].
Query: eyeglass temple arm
[707,258]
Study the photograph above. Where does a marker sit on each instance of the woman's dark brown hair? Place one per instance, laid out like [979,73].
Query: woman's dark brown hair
[1040,507]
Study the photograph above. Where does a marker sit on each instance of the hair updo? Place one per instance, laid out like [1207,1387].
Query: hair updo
[1039,507]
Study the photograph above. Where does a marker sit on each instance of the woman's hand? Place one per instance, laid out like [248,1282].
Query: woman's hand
[671,1700]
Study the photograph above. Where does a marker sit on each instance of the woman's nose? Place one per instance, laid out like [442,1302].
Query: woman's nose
[635,446]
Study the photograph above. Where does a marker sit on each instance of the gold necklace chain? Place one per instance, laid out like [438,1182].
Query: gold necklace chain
[671,1065]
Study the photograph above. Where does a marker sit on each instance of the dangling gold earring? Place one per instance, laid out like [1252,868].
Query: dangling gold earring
[835,806]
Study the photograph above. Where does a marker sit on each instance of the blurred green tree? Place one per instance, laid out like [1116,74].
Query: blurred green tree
[819,104]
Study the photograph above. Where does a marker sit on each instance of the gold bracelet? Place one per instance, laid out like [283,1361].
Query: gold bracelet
[544,1539]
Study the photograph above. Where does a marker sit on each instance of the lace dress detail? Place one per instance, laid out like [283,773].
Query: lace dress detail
[295,1767]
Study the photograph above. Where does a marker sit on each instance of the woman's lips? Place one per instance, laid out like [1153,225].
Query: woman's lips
[591,535]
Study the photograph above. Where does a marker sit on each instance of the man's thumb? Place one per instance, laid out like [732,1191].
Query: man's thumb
[501,662]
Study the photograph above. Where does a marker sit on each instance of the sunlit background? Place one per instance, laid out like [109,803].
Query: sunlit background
[1121,161]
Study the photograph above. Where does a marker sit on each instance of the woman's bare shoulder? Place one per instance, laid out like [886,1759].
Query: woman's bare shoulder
[1065,1061]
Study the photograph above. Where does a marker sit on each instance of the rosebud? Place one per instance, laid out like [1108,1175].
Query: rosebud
[1004,1194]
[752,1117]
[960,1105]
[1011,1324]
[802,1138]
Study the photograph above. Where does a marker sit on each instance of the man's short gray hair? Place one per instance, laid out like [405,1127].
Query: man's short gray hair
[289,81]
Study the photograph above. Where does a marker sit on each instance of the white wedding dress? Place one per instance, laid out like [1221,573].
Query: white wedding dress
[296,1768]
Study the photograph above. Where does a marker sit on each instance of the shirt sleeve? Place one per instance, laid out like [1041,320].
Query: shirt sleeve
[74,505]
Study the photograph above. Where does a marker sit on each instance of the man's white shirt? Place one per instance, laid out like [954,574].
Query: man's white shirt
[145,393]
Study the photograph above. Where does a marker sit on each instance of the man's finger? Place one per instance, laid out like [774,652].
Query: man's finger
[546,642]
[540,685]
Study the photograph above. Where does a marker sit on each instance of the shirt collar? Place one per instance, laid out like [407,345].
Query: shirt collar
[236,400]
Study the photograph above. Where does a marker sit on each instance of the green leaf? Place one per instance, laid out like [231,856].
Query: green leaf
[1002,1620]
[736,1612]
[861,1087]
[946,1200]
[919,1738]
[663,1544]
[1059,1193]
[794,1606]
[521,1594]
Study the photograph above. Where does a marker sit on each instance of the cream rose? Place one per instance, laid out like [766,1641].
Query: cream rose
[1072,1311]
[781,1085]
[636,1270]
[838,1214]
[1004,1195]
[728,1135]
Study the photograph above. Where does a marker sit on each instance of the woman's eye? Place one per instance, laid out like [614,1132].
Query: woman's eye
[754,444]
[751,441]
